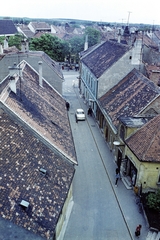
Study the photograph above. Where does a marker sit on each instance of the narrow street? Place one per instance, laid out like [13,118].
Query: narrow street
[97,213]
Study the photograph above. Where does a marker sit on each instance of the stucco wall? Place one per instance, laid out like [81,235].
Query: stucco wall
[62,217]
[115,74]
[147,172]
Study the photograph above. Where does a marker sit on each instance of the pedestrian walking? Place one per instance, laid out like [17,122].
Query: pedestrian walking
[138,230]
[117,176]
[67,106]
[90,111]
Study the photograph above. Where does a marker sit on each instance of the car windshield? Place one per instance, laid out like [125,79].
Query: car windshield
[80,112]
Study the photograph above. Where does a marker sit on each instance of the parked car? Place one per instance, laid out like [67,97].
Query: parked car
[80,115]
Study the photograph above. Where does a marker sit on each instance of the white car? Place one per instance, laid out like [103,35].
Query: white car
[80,115]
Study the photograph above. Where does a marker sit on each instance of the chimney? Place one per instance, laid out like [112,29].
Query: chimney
[5,43]
[40,74]
[24,46]
[119,35]
[86,43]
[136,52]
[27,45]
[1,48]
[15,73]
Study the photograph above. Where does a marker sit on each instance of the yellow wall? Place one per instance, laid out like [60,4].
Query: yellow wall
[147,172]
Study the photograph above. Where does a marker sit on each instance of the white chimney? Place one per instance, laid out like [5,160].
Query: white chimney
[14,72]
[27,45]
[86,43]
[23,46]
[119,35]
[5,43]
[12,85]
[40,73]
[1,48]
[137,52]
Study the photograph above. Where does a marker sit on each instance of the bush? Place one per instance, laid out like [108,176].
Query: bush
[153,200]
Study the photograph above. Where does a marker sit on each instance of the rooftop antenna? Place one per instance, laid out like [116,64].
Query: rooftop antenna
[128,18]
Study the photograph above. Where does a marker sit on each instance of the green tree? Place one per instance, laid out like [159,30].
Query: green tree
[51,45]
[153,200]
[93,36]
[76,46]
[15,40]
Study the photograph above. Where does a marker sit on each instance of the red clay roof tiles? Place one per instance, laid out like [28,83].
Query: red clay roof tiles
[145,143]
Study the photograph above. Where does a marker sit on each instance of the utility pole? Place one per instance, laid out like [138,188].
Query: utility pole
[128,18]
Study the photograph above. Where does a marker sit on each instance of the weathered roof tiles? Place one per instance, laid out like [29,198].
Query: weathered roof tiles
[101,58]
[43,109]
[145,143]
[21,157]
[129,96]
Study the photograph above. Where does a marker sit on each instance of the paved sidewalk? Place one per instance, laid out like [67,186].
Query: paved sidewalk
[125,197]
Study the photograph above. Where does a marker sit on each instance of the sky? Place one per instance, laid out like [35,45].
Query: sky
[120,11]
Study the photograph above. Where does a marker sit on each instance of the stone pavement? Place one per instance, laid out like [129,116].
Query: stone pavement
[125,197]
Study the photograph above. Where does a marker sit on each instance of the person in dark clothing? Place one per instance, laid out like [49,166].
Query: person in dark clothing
[117,176]
[90,111]
[138,230]
[67,106]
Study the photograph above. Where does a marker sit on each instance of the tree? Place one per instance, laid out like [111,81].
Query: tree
[93,36]
[76,46]
[51,45]
[15,40]
[153,200]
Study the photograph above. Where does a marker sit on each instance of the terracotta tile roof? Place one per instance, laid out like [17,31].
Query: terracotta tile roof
[44,109]
[99,60]
[153,73]
[22,155]
[129,97]
[145,143]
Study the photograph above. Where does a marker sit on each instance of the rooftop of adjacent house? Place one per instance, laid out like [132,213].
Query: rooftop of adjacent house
[7,27]
[50,67]
[102,57]
[146,141]
[32,172]
[157,33]
[25,30]
[40,25]
[133,122]
[148,41]
[43,109]
[129,97]
[153,73]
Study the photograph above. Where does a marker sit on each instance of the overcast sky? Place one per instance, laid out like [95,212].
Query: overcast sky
[137,11]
